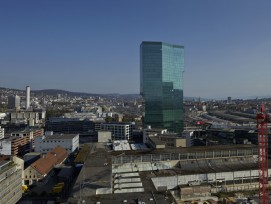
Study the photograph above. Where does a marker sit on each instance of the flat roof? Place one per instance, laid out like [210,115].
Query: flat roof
[117,123]
[20,131]
[32,154]
[60,136]
[161,43]
[157,141]
[10,138]
[96,173]
[192,149]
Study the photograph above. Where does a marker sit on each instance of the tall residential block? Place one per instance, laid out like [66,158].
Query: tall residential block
[14,102]
[161,85]
[27,102]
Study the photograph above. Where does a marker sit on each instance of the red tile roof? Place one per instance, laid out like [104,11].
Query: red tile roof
[46,164]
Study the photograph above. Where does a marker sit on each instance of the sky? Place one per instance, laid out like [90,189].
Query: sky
[93,45]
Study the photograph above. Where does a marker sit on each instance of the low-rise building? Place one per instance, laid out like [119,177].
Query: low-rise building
[160,138]
[44,144]
[69,125]
[43,166]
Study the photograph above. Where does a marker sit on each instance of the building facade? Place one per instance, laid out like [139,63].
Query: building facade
[2,133]
[120,131]
[43,166]
[69,125]
[14,102]
[10,179]
[27,97]
[161,85]
[70,142]
[15,145]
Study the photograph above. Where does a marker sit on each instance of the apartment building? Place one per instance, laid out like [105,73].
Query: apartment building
[11,171]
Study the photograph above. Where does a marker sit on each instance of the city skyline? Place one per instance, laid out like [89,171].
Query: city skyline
[93,46]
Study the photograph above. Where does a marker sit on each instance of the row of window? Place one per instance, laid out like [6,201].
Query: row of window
[52,141]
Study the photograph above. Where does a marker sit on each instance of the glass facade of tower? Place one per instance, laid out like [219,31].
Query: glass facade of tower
[161,85]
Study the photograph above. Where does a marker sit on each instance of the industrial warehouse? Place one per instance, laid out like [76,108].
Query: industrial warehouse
[189,174]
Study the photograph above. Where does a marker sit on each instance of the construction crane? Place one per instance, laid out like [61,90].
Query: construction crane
[262,120]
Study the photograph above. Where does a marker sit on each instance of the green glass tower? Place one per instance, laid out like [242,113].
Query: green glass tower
[161,85]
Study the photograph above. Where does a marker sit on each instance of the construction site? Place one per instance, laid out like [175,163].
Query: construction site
[176,175]
[188,174]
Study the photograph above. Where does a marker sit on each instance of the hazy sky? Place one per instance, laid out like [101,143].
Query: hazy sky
[93,46]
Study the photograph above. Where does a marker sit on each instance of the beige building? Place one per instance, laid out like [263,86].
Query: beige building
[193,192]
[160,138]
[43,166]
[11,172]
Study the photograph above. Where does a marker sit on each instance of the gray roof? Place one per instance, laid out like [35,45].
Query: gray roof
[60,136]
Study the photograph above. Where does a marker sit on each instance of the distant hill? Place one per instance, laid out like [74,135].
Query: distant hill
[63,92]
[54,92]
[196,99]
[83,94]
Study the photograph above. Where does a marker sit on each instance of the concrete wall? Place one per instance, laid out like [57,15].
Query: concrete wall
[104,136]
[185,155]
[180,142]
[103,191]
[173,181]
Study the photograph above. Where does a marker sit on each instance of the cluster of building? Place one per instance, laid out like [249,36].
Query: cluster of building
[166,161]
[127,161]
[29,157]
[26,116]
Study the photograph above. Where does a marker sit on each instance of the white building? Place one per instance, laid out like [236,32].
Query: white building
[27,102]
[5,147]
[44,144]
[120,131]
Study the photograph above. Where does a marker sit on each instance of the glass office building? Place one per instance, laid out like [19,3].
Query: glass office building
[161,85]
